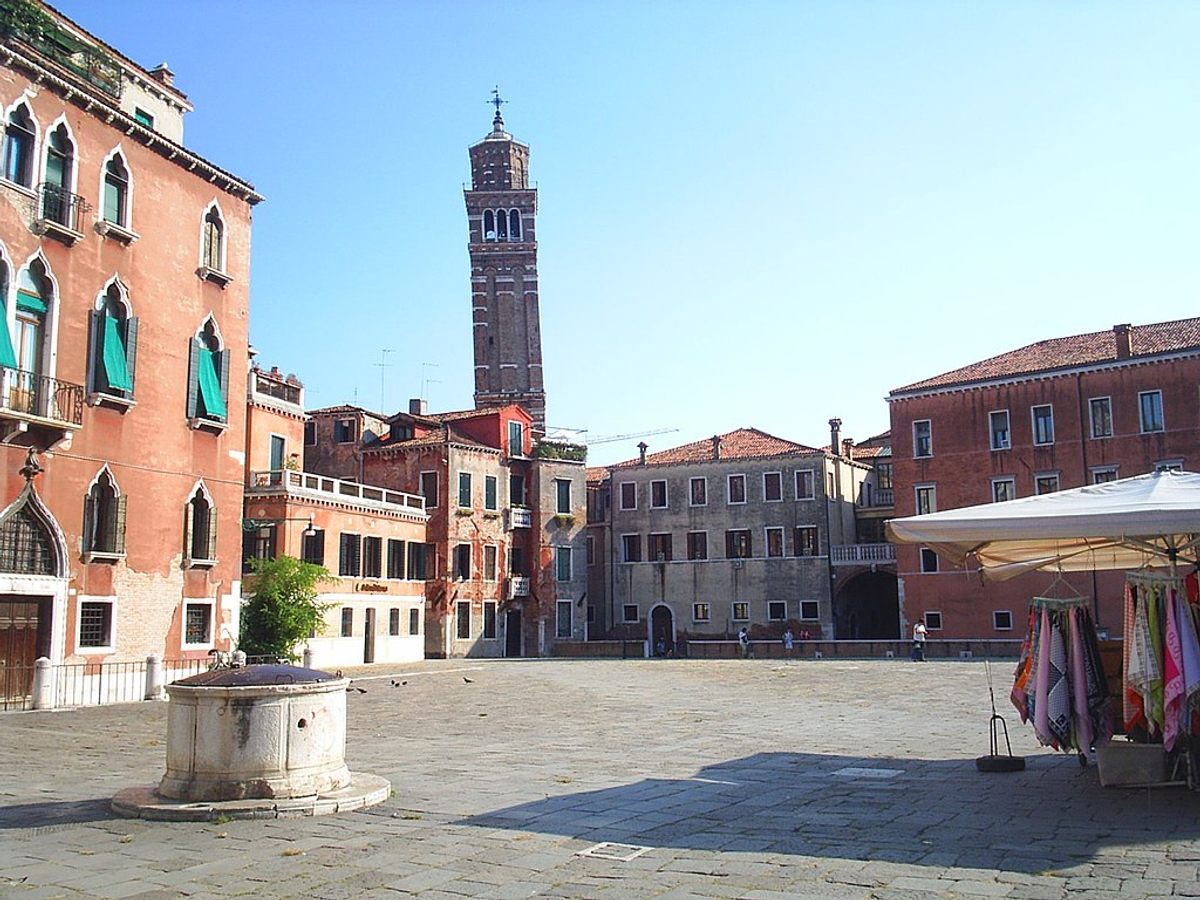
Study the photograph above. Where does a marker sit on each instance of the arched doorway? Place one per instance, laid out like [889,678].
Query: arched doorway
[662,629]
[867,608]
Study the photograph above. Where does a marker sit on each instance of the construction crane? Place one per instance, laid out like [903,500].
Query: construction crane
[610,438]
[579,435]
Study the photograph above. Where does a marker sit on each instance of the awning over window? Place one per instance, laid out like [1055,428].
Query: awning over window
[210,386]
[115,369]
[8,356]
[31,303]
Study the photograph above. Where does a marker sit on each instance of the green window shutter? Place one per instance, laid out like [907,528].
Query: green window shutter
[8,356]
[96,381]
[89,522]
[56,170]
[118,531]
[193,384]
[211,396]
[28,302]
[131,338]
[222,366]
[115,369]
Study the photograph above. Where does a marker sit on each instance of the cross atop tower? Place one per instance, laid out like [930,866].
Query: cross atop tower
[497,101]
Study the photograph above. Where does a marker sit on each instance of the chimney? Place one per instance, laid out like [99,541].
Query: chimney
[642,453]
[1121,336]
[835,435]
[417,407]
[163,75]
[848,448]
[716,446]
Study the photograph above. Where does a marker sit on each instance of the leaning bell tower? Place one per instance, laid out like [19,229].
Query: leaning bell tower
[501,214]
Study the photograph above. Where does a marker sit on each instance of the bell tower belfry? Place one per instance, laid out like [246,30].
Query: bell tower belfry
[501,213]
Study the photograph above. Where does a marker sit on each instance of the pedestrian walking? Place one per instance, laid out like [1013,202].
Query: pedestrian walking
[744,642]
[918,648]
[788,641]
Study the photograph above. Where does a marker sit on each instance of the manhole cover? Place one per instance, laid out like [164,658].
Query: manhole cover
[857,772]
[609,850]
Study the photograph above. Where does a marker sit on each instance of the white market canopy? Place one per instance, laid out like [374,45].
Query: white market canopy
[1145,520]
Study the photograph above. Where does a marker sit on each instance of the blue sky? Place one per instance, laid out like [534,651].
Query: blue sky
[761,214]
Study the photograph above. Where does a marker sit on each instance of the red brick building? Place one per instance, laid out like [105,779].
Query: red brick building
[124,278]
[1057,414]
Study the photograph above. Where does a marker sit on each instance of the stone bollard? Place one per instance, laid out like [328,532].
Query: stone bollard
[308,657]
[154,677]
[43,684]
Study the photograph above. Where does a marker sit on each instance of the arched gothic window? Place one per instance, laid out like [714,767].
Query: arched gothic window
[214,241]
[26,545]
[514,225]
[104,518]
[208,379]
[489,225]
[114,345]
[57,199]
[200,529]
[18,146]
[116,192]
[27,391]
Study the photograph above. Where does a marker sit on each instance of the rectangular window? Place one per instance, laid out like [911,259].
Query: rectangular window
[372,557]
[883,476]
[562,496]
[310,433]
[629,612]
[490,556]
[464,490]
[737,489]
[257,544]
[1003,489]
[700,612]
[393,622]
[429,489]
[926,499]
[805,541]
[562,617]
[95,624]
[462,616]
[922,438]
[347,622]
[772,486]
[395,558]
[698,491]
[737,544]
[774,542]
[562,563]
[349,555]
[591,614]
[312,546]
[591,551]
[660,547]
[933,621]
[1046,483]
[1043,425]
[628,495]
[1150,404]
[929,560]
[1002,620]
[1001,438]
[516,490]
[418,561]
[345,431]
[1104,474]
[776,610]
[804,484]
[810,609]
[1168,465]
[516,439]
[697,545]
[658,495]
[489,620]
[516,561]
[462,561]
[1100,413]
[631,548]
[741,612]
[142,117]
[414,621]
[278,449]
[491,492]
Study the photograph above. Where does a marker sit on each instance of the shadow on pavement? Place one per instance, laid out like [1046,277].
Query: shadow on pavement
[41,815]
[922,812]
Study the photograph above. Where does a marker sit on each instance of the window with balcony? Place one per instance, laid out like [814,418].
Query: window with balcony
[562,564]
[1003,489]
[562,496]
[698,491]
[312,546]
[697,545]
[115,200]
[1101,416]
[516,490]
[464,490]
[772,486]
[922,438]
[1000,436]
[1043,425]
[462,616]
[804,484]
[631,548]
[774,541]
[1150,404]
[19,137]
[276,450]
[200,529]
[736,489]
[350,555]
[59,204]
[628,490]
[806,541]
[738,544]
[660,547]
[30,390]
[104,519]
[208,378]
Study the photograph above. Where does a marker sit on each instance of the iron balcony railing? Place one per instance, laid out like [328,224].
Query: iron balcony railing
[520,517]
[30,394]
[295,482]
[58,205]
[857,554]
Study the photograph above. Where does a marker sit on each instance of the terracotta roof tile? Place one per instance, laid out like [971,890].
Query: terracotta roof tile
[345,408]
[596,473]
[1067,352]
[744,443]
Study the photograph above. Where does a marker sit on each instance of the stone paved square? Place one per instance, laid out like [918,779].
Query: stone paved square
[760,778]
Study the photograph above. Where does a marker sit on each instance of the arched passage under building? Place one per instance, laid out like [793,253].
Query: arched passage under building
[867,608]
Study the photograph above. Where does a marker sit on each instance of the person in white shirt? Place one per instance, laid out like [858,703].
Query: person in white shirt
[918,649]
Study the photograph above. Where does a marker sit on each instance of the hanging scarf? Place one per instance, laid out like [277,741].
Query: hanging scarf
[1058,689]
[1041,676]
[1132,709]
[1190,652]
[1100,709]
[1083,731]
[1021,683]
[1173,682]
[1141,669]
[1154,621]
